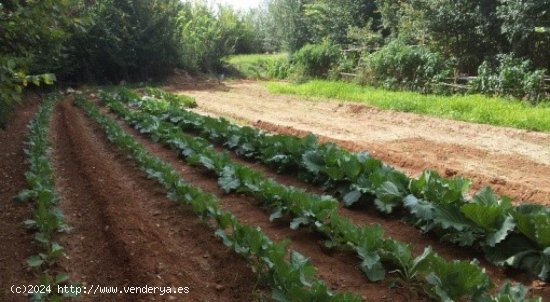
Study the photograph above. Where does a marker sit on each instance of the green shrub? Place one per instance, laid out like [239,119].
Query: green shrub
[513,76]
[315,60]
[261,66]
[176,100]
[279,69]
[401,66]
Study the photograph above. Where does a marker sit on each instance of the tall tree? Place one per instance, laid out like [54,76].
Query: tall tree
[461,29]
[31,42]
[289,24]
[127,39]
[333,19]
[526,25]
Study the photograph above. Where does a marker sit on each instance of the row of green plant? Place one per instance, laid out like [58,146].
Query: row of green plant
[509,235]
[377,253]
[47,219]
[291,280]
[173,100]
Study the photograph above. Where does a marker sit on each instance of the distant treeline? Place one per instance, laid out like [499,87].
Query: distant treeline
[393,43]
[106,41]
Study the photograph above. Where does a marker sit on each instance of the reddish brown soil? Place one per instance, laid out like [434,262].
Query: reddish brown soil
[243,207]
[514,162]
[125,232]
[17,242]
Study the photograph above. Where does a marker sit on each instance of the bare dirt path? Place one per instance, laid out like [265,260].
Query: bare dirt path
[126,232]
[17,242]
[514,162]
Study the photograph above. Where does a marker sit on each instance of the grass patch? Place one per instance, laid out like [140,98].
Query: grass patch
[471,108]
[260,66]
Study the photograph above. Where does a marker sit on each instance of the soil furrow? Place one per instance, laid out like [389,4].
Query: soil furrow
[125,232]
[17,242]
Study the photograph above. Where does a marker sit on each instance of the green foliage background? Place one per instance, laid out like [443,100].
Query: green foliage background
[108,41]
[390,43]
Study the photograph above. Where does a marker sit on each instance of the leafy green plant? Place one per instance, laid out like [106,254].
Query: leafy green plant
[47,219]
[315,60]
[175,100]
[454,280]
[398,65]
[513,76]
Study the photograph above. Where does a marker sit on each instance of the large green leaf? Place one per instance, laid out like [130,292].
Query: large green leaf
[313,161]
[449,216]
[536,226]
[228,180]
[421,209]
[351,198]
[487,217]
[372,266]
[454,280]
[519,252]
[388,197]
[490,215]
[507,226]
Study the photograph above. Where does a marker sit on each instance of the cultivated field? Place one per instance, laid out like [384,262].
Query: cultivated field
[153,192]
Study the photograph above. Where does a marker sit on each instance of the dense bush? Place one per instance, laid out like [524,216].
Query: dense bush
[512,76]
[32,34]
[315,60]
[279,69]
[125,40]
[264,66]
[138,40]
[205,36]
[402,66]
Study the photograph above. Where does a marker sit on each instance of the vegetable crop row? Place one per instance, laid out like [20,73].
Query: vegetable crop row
[47,219]
[508,235]
[291,280]
[441,279]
